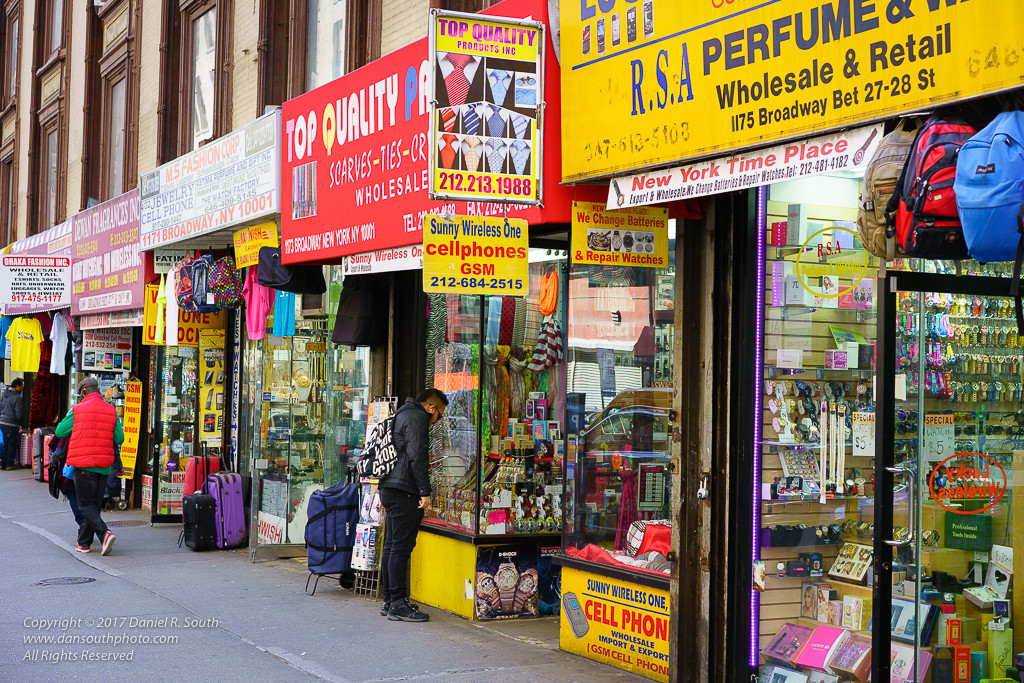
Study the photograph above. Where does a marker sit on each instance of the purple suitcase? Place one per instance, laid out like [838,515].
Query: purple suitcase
[226,489]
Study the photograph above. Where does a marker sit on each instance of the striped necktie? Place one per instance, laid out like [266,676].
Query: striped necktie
[495,155]
[471,120]
[520,124]
[472,154]
[455,82]
[496,124]
[448,117]
[448,151]
[499,87]
[520,153]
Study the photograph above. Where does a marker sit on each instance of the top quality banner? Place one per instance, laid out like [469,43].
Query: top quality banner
[488,94]
[231,181]
[108,273]
[33,285]
[660,82]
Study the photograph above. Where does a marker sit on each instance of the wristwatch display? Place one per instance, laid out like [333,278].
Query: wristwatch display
[525,589]
[507,577]
[487,589]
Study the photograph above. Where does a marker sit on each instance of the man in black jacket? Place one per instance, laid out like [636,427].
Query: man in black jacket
[12,412]
[405,495]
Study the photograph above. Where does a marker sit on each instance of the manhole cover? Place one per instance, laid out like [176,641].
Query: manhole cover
[65,581]
[126,523]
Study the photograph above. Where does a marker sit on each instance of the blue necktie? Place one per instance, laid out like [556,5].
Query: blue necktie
[520,124]
[496,124]
[471,120]
[520,153]
[499,88]
[495,155]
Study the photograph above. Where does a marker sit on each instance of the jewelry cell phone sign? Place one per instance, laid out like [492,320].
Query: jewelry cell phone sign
[488,96]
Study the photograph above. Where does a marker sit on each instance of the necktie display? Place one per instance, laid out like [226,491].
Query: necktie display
[471,120]
[495,155]
[471,151]
[448,150]
[520,124]
[448,117]
[520,155]
[456,82]
[500,80]
[496,124]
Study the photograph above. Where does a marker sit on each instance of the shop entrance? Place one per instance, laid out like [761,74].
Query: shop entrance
[951,432]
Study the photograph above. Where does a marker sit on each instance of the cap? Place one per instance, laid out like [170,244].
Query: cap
[88,385]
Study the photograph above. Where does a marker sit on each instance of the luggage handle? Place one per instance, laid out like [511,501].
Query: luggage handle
[1015,283]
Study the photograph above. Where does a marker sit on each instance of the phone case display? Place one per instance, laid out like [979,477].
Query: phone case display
[177,395]
[496,455]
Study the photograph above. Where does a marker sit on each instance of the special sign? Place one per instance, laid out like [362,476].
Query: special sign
[662,81]
[473,255]
[488,96]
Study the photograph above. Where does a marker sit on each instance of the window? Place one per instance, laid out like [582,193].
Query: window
[50,193]
[204,64]
[56,25]
[7,181]
[325,42]
[12,59]
[115,170]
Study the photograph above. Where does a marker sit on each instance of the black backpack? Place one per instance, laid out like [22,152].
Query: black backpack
[58,459]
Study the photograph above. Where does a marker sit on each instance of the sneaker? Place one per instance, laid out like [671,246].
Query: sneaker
[404,611]
[83,548]
[386,607]
[108,543]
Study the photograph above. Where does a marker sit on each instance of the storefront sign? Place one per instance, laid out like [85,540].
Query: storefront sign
[108,273]
[36,273]
[384,261]
[270,529]
[693,78]
[488,96]
[968,485]
[629,237]
[132,424]
[467,255]
[824,259]
[131,318]
[189,324]
[616,622]
[801,159]
[249,241]
[107,350]
[165,259]
[231,181]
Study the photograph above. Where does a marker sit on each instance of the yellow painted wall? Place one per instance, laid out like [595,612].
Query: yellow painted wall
[439,570]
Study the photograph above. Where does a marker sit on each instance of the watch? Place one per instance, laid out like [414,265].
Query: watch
[487,589]
[525,589]
[507,578]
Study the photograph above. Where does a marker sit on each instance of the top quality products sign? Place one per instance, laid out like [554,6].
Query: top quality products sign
[656,82]
[488,96]
[231,181]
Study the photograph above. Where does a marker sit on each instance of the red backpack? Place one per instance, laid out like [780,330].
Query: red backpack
[922,212]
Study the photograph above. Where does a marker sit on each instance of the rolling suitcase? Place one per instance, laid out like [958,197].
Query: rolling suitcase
[331,528]
[226,489]
[196,473]
[199,518]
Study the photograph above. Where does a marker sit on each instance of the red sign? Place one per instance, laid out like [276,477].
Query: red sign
[974,477]
[354,157]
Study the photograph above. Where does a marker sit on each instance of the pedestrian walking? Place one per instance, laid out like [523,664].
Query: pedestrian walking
[405,495]
[12,412]
[94,428]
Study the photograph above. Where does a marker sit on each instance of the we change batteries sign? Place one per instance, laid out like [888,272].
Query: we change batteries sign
[475,255]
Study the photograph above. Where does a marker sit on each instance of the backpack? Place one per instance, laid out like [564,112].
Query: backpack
[58,458]
[990,195]
[202,296]
[922,213]
[880,178]
[225,283]
[379,453]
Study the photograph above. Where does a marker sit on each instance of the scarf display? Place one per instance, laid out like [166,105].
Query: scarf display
[45,392]
[628,512]
[517,384]
[503,391]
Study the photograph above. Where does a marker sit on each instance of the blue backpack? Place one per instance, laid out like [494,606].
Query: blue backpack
[990,195]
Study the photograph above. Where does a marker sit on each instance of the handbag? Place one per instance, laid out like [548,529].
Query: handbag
[296,279]
[225,283]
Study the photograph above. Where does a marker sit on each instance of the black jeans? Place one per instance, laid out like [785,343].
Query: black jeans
[89,487]
[402,525]
[12,440]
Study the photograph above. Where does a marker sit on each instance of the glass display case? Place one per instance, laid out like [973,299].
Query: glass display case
[619,384]
[496,456]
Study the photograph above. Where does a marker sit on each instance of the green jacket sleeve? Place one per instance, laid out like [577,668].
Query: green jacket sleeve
[118,433]
[64,428]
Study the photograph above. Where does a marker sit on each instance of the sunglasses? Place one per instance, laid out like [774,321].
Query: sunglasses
[906,427]
[905,415]
[969,430]
[960,418]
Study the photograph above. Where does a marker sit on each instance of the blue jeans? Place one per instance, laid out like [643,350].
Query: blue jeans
[69,491]
[12,439]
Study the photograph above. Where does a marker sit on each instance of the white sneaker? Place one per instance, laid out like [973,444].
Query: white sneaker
[108,543]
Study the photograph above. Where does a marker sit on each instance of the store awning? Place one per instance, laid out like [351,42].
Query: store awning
[34,285]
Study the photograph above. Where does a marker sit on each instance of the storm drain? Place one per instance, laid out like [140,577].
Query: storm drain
[126,522]
[65,581]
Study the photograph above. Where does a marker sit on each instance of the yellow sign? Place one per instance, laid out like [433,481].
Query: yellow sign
[475,255]
[189,324]
[249,241]
[132,423]
[822,256]
[211,386]
[616,622]
[626,237]
[652,85]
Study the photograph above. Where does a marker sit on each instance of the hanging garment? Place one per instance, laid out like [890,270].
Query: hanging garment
[26,336]
[500,426]
[548,352]
[362,318]
[39,410]
[508,319]
[5,324]
[258,302]
[161,305]
[549,292]
[493,320]
[171,314]
[534,319]
[519,325]
[517,387]
[59,337]
[628,512]
[284,314]
[437,320]
[45,323]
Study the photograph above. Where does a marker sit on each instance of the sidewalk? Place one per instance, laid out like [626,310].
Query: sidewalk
[236,621]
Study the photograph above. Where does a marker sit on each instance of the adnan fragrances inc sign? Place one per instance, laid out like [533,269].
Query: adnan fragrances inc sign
[659,81]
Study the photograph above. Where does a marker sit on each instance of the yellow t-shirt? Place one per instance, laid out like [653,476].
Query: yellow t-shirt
[26,337]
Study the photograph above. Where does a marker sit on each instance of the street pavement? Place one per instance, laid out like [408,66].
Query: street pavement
[160,613]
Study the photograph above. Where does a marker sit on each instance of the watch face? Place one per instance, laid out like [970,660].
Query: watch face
[506,577]
[487,584]
[527,584]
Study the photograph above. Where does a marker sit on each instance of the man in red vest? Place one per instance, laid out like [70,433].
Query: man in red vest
[94,428]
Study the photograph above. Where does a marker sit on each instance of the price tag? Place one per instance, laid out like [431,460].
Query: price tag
[938,436]
[864,434]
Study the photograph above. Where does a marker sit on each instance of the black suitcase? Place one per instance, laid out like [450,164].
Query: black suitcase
[199,518]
